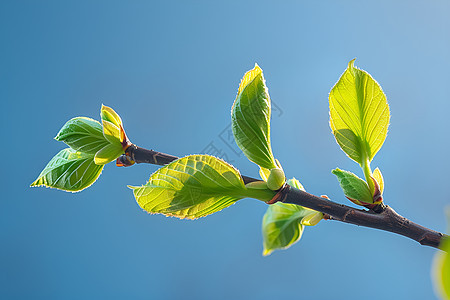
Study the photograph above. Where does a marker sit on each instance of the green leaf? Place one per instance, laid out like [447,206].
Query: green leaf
[82,134]
[359,114]
[379,178]
[250,116]
[113,128]
[441,268]
[108,114]
[69,170]
[108,153]
[111,132]
[355,189]
[283,224]
[281,228]
[191,187]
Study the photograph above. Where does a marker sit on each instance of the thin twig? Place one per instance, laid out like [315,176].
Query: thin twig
[386,219]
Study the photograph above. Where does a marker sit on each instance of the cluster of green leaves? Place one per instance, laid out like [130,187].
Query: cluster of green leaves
[359,119]
[193,186]
[91,146]
[282,224]
[198,185]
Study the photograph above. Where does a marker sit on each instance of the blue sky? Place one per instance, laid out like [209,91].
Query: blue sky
[171,70]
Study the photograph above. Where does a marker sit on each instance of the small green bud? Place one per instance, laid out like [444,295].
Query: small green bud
[276,179]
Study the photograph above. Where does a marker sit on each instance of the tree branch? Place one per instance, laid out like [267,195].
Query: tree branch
[386,219]
[135,154]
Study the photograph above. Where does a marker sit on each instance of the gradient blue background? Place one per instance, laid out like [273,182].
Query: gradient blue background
[172,70]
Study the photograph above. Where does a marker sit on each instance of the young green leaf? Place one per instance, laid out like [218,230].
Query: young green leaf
[379,178]
[355,189]
[192,187]
[294,182]
[113,128]
[281,228]
[359,114]
[250,116]
[111,132]
[283,224]
[441,268]
[82,134]
[69,170]
[108,114]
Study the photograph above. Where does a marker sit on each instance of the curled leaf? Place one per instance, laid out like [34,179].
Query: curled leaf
[108,114]
[379,179]
[111,132]
[113,127]
[250,116]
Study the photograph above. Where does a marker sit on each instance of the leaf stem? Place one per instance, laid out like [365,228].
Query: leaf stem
[263,194]
[368,175]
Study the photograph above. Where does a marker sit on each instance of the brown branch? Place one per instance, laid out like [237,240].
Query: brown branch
[384,219]
[387,220]
[134,154]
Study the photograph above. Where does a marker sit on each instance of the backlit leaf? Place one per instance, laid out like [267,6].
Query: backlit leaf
[355,189]
[111,132]
[379,178]
[69,171]
[283,224]
[359,114]
[191,187]
[113,128]
[83,134]
[281,228]
[250,116]
[108,114]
